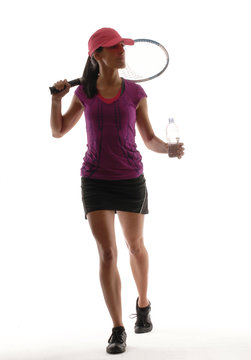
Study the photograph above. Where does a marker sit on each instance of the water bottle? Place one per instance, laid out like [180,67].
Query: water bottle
[172,132]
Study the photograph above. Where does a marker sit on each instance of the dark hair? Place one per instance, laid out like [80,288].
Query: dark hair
[90,75]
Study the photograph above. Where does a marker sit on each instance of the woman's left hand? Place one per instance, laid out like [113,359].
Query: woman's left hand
[176,150]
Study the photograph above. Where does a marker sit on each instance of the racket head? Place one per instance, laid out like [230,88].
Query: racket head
[145,60]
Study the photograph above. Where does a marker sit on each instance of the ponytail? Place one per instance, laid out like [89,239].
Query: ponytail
[90,76]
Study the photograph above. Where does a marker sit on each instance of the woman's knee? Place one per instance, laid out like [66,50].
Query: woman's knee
[135,246]
[107,254]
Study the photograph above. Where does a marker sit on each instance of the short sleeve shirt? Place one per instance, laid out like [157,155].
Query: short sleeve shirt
[111,149]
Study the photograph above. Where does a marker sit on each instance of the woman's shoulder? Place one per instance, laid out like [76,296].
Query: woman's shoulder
[80,91]
[132,85]
[134,90]
[81,95]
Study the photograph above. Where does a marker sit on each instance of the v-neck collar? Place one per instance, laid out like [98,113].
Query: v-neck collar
[116,97]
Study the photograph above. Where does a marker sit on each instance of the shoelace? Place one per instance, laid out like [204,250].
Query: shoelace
[132,316]
[116,337]
[141,319]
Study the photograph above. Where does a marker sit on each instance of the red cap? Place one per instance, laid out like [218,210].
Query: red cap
[106,37]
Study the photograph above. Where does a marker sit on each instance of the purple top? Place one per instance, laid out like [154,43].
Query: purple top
[111,149]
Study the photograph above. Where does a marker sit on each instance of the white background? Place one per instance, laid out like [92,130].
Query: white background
[197,232]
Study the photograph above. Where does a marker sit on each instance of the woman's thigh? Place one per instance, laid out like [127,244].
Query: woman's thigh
[132,225]
[102,226]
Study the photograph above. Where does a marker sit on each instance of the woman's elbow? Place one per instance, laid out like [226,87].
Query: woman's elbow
[56,135]
[148,141]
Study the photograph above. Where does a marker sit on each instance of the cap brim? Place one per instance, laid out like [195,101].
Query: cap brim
[112,43]
[118,40]
[128,41]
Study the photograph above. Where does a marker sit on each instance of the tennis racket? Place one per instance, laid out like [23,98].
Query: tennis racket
[145,60]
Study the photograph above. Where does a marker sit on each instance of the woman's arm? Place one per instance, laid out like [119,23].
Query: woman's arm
[61,124]
[146,131]
[150,139]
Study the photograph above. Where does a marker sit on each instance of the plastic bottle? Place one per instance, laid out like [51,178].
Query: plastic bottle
[172,132]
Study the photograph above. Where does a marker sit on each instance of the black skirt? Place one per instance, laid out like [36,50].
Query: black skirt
[122,195]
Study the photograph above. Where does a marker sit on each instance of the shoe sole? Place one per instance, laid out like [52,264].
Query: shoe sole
[115,352]
[143,330]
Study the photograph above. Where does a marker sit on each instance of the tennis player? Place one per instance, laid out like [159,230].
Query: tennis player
[112,178]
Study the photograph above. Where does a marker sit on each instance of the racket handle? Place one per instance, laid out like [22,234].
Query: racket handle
[74,82]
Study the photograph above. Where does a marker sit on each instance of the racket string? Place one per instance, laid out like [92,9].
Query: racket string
[130,74]
[145,60]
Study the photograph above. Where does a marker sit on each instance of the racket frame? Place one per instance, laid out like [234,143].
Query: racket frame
[167,59]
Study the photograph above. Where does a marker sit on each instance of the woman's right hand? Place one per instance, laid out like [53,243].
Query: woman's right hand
[60,85]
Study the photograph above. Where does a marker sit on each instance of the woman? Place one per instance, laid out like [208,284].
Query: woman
[112,178]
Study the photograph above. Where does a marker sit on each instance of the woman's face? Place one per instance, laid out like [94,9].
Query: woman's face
[113,57]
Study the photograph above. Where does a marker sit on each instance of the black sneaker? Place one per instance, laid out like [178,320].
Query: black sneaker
[143,323]
[117,341]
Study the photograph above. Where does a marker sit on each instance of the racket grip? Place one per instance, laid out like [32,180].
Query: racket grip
[74,82]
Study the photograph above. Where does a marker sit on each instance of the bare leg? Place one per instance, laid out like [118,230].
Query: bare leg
[102,226]
[132,225]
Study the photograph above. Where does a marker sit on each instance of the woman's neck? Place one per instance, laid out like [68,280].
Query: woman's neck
[109,78]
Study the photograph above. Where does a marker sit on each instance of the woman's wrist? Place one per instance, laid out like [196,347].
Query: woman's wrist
[56,100]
